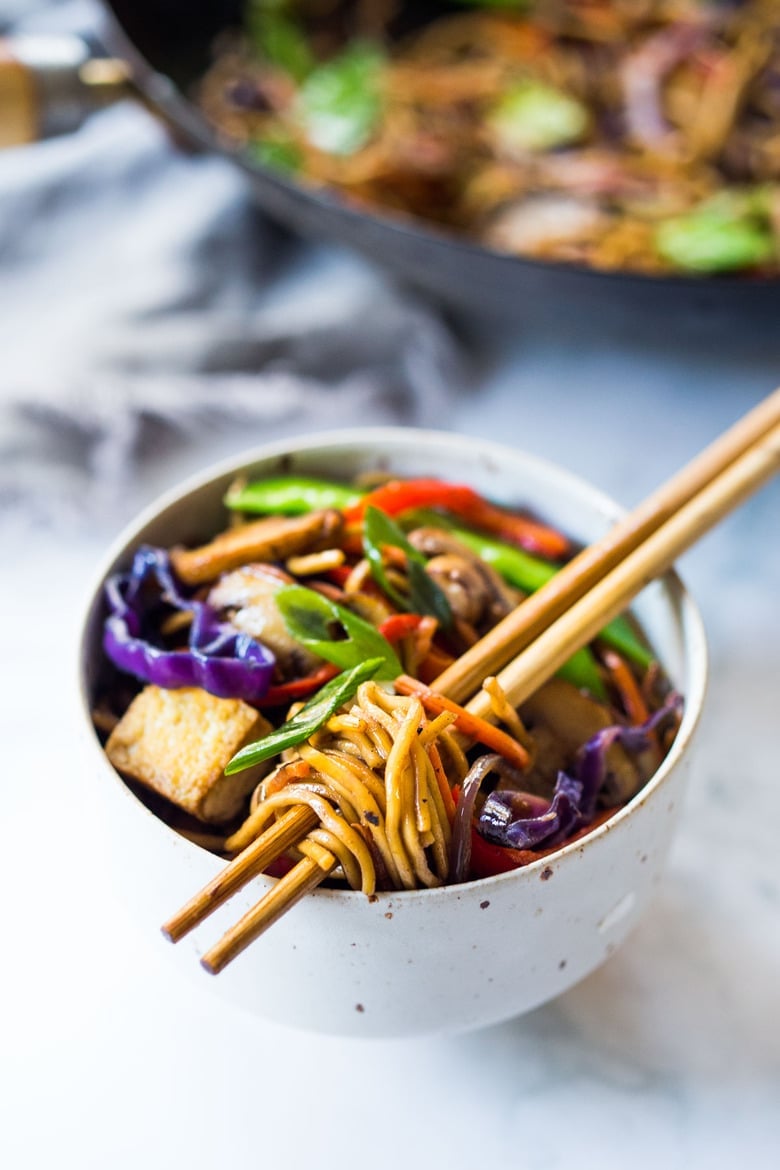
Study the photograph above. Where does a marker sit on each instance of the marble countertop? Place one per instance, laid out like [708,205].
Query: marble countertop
[669,1055]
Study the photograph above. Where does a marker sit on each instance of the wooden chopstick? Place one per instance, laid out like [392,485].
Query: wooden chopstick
[290,828]
[301,880]
[586,617]
[528,620]
[603,580]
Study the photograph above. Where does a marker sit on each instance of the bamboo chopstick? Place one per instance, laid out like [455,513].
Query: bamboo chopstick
[518,630]
[564,616]
[291,828]
[582,622]
[301,880]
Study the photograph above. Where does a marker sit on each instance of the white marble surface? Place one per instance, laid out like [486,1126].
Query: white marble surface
[669,1055]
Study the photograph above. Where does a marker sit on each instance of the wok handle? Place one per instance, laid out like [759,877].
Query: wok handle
[49,85]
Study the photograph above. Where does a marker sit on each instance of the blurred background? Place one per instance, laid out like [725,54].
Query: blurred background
[153,318]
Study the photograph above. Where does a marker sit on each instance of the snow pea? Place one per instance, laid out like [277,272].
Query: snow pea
[277,37]
[292,495]
[537,117]
[339,104]
[310,717]
[717,236]
[424,596]
[334,632]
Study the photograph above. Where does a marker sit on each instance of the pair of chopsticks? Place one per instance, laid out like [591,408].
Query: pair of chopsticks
[528,646]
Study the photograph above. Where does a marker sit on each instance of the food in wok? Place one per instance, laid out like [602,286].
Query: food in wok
[636,135]
[289,662]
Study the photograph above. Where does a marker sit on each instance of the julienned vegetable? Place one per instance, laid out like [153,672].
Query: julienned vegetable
[388,587]
[528,572]
[402,495]
[294,495]
[219,658]
[523,822]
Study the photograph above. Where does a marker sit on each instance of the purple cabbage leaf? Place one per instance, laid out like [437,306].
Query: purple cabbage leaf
[219,658]
[522,821]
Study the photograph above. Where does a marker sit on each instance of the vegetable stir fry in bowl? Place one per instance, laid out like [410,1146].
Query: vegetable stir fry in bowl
[272,638]
[634,135]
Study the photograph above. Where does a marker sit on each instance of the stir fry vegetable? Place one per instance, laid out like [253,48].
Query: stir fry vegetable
[332,616]
[218,657]
[334,632]
[597,132]
[309,719]
[339,105]
[533,116]
[424,596]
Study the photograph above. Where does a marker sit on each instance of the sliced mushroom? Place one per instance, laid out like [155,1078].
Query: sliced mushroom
[561,720]
[249,595]
[475,591]
[461,583]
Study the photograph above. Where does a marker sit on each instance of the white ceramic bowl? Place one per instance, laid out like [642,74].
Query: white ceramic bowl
[435,960]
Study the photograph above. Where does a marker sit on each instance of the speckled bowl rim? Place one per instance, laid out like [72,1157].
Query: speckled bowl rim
[687,619]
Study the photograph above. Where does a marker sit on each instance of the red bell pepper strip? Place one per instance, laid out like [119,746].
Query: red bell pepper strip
[399,495]
[399,625]
[298,688]
[488,859]
[339,575]
[436,660]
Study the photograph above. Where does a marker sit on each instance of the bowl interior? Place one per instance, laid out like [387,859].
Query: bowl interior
[195,512]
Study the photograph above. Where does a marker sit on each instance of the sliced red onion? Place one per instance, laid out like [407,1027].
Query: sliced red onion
[460,845]
[645,71]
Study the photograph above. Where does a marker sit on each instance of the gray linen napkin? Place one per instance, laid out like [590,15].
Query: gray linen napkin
[143,298]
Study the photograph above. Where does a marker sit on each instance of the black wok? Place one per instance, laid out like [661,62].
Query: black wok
[167,43]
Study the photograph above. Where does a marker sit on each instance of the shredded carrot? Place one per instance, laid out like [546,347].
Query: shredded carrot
[471,725]
[295,770]
[627,687]
[442,781]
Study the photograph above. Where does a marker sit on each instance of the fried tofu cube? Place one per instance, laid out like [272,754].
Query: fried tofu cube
[178,743]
